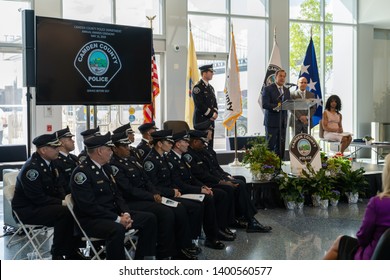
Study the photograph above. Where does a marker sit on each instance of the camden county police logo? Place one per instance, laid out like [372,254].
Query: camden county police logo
[32,174]
[80,178]
[148,166]
[98,63]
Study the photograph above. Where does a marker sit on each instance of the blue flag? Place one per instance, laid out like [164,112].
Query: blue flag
[309,70]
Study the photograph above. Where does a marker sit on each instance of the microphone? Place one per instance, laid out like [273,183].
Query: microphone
[291,85]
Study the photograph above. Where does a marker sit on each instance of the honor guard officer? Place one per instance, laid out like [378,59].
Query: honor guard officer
[101,208]
[87,134]
[66,162]
[205,102]
[126,128]
[38,200]
[215,201]
[140,194]
[144,146]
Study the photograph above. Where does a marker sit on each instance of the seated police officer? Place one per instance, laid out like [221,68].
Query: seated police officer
[87,134]
[215,201]
[146,130]
[126,128]
[101,208]
[173,228]
[39,200]
[65,162]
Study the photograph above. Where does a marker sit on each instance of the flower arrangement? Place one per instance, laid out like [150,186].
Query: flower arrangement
[367,138]
[335,164]
[260,159]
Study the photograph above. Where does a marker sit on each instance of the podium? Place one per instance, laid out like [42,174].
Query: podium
[299,104]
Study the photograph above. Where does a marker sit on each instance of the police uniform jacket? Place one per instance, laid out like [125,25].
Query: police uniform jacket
[65,166]
[132,179]
[137,154]
[182,175]
[159,172]
[205,102]
[95,193]
[82,156]
[37,185]
[199,167]
[143,148]
[210,157]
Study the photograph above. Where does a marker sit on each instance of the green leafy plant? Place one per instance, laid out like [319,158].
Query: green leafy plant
[318,182]
[337,163]
[352,180]
[291,188]
[367,138]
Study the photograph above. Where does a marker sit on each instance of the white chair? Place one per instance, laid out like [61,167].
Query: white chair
[327,145]
[32,233]
[130,238]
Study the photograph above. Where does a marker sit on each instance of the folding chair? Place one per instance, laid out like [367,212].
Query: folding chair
[130,240]
[32,232]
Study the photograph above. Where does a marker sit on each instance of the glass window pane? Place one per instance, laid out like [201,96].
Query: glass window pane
[209,33]
[249,7]
[339,70]
[11,20]
[207,6]
[341,11]
[134,13]
[87,10]
[13,103]
[305,9]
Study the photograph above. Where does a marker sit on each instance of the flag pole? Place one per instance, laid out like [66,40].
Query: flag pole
[151,18]
[236,161]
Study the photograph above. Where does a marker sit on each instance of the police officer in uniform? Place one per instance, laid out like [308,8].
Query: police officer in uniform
[126,128]
[173,228]
[87,134]
[205,102]
[39,200]
[146,130]
[101,208]
[65,162]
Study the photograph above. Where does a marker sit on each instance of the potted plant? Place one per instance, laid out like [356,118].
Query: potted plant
[335,164]
[292,190]
[352,183]
[368,139]
[335,196]
[262,162]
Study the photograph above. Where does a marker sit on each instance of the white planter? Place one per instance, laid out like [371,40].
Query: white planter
[290,205]
[352,197]
[258,176]
[334,202]
[324,203]
[315,200]
[369,142]
[299,205]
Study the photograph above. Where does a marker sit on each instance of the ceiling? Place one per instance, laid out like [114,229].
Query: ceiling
[375,12]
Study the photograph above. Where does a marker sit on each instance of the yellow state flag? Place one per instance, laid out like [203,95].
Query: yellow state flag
[192,79]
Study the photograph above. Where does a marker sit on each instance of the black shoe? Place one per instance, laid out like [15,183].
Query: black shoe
[77,255]
[228,231]
[214,244]
[239,224]
[222,235]
[257,227]
[184,254]
[194,250]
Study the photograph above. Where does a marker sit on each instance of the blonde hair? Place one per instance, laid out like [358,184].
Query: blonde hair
[386,178]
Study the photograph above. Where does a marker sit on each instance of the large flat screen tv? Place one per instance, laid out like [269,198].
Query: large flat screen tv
[90,63]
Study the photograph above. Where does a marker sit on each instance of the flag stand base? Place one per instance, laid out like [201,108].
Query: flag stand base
[235,163]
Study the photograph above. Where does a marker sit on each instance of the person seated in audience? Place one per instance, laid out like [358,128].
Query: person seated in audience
[376,221]
[173,234]
[215,201]
[87,134]
[158,170]
[332,123]
[38,200]
[65,162]
[146,130]
[130,135]
[101,208]
[207,169]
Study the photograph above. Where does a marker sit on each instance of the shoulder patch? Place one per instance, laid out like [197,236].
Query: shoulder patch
[188,157]
[141,152]
[32,174]
[114,170]
[148,166]
[82,158]
[80,178]
[196,90]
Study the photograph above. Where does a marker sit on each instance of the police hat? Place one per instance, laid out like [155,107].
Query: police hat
[183,135]
[205,68]
[62,133]
[120,138]
[206,125]
[96,141]
[146,126]
[90,132]
[47,140]
[124,128]
[198,134]
[162,135]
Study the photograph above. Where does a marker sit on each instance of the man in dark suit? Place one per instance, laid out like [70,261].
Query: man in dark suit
[275,121]
[300,118]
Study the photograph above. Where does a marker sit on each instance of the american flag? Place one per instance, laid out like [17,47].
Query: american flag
[149,109]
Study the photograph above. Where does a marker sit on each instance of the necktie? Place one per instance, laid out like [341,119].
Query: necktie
[281,94]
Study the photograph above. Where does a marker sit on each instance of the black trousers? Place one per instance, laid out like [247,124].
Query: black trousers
[273,135]
[195,211]
[221,206]
[165,226]
[56,216]
[227,212]
[245,207]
